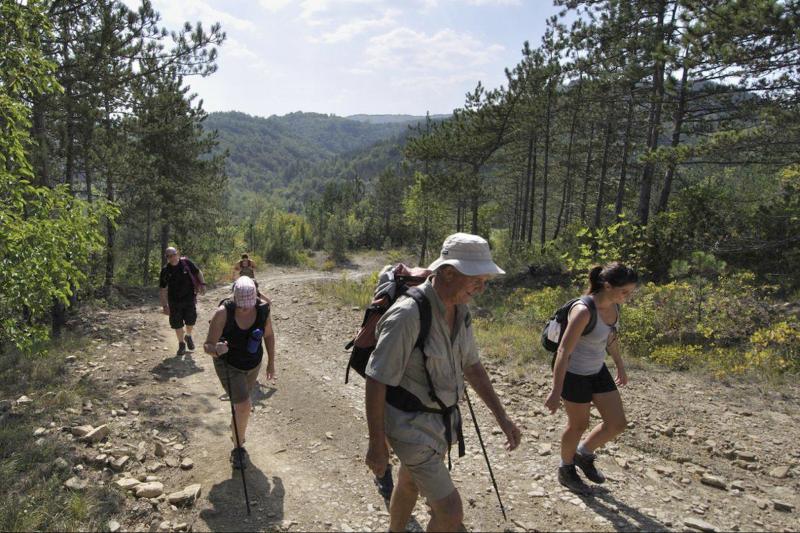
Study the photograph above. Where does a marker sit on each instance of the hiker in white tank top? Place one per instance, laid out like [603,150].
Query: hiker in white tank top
[589,354]
[581,378]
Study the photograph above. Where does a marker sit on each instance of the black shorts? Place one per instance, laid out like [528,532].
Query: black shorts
[181,313]
[579,389]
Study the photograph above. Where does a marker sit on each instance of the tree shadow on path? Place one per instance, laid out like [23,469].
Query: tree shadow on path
[228,511]
[622,516]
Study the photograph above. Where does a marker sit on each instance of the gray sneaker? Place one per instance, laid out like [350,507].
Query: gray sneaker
[181,348]
[586,463]
[568,477]
[189,342]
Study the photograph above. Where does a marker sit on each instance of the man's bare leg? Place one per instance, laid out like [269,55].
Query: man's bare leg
[404,498]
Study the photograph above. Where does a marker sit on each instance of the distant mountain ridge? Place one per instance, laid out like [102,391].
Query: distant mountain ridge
[285,155]
[393,119]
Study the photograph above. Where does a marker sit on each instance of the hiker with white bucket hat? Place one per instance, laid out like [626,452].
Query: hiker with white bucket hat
[415,379]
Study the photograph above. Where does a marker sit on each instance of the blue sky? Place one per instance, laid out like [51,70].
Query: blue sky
[357,56]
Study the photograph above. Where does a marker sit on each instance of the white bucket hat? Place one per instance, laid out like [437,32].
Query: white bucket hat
[469,254]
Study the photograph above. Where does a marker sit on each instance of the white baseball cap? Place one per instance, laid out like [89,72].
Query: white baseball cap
[469,254]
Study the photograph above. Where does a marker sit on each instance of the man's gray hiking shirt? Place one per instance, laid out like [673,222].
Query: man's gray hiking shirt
[396,361]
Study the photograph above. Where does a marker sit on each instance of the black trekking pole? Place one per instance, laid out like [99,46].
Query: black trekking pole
[485,456]
[236,432]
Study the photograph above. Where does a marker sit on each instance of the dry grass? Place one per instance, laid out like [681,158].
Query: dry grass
[32,495]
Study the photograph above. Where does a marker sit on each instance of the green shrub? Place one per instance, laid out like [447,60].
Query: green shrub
[776,348]
[679,357]
[622,241]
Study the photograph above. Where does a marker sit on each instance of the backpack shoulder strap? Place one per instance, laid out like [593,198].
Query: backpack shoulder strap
[425,317]
[588,301]
[230,310]
[262,314]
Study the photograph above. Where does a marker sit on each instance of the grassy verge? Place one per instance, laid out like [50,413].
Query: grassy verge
[724,334]
[34,468]
[352,292]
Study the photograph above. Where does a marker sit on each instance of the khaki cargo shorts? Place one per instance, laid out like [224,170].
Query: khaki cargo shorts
[426,467]
[242,381]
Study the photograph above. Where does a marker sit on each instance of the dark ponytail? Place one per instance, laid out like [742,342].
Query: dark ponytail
[615,274]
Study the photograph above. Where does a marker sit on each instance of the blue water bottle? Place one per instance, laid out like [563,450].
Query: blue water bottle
[254,341]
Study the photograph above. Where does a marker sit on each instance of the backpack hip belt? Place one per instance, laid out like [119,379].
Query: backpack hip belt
[401,399]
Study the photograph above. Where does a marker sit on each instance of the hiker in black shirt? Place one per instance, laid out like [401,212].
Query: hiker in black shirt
[180,281]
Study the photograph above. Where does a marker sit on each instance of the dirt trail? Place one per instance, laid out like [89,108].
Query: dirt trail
[698,454]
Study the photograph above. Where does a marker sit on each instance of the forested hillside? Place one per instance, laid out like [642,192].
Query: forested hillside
[290,156]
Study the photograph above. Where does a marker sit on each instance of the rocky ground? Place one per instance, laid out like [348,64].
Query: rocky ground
[698,454]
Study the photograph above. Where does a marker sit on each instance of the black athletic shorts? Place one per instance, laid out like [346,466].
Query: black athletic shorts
[579,389]
[181,313]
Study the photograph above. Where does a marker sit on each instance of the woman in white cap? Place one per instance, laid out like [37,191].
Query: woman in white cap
[238,332]
[414,386]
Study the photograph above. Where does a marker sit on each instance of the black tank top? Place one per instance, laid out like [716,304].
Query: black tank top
[237,338]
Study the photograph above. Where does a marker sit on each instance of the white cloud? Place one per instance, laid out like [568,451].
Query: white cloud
[445,51]
[310,8]
[348,30]
[274,5]
[236,48]
[428,5]
[176,12]
[494,2]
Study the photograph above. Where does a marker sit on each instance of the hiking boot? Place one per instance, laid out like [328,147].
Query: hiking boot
[181,348]
[568,477]
[385,484]
[239,458]
[189,342]
[586,463]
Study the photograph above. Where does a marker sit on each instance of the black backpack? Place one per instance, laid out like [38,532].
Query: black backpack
[554,328]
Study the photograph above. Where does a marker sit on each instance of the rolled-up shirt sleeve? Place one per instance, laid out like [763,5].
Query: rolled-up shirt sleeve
[397,333]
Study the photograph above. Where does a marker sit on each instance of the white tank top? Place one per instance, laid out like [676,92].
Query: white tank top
[589,354]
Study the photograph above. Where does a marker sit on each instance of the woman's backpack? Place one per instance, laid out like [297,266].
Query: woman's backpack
[555,327]
[392,283]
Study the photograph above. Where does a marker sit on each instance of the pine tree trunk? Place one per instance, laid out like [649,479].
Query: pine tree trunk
[474,197]
[111,234]
[164,241]
[603,168]
[111,231]
[626,146]
[533,188]
[515,216]
[568,177]
[663,201]
[528,173]
[148,236]
[654,122]
[586,174]
[87,173]
[543,228]
[58,314]
[424,248]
